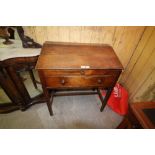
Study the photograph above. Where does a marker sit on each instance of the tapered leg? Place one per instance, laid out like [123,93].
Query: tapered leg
[104,101]
[49,108]
[50,101]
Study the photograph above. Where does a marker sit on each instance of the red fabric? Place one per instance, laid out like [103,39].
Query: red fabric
[118,100]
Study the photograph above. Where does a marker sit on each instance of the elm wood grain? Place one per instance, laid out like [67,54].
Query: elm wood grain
[60,67]
[81,81]
[86,72]
[57,56]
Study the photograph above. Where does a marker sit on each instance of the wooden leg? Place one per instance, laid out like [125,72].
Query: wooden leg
[49,101]
[49,108]
[19,84]
[10,89]
[104,101]
[33,78]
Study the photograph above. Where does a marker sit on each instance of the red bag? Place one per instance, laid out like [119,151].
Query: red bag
[118,100]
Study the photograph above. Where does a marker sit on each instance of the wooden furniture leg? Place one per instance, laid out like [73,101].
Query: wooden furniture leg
[104,101]
[19,84]
[49,98]
[33,78]
[10,89]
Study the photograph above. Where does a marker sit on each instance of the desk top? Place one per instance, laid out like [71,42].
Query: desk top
[77,56]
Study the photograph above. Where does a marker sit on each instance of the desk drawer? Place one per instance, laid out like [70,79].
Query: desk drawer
[86,72]
[79,81]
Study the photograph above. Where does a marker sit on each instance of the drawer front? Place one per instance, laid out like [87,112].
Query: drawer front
[79,81]
[86,72]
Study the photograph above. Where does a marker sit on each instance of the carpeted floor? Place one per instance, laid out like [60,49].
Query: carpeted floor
[73,112]
[69,112]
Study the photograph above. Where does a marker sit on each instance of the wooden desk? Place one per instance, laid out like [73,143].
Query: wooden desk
[72,66]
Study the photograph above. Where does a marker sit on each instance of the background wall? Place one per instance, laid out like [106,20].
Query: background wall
[133,45]
[139,74]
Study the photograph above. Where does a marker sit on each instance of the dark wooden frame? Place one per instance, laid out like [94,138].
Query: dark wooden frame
[13,85]
[137,109]
[136,118]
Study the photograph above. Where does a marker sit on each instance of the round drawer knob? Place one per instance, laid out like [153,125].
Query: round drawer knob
[99,81]
[62,81]
[82,72]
